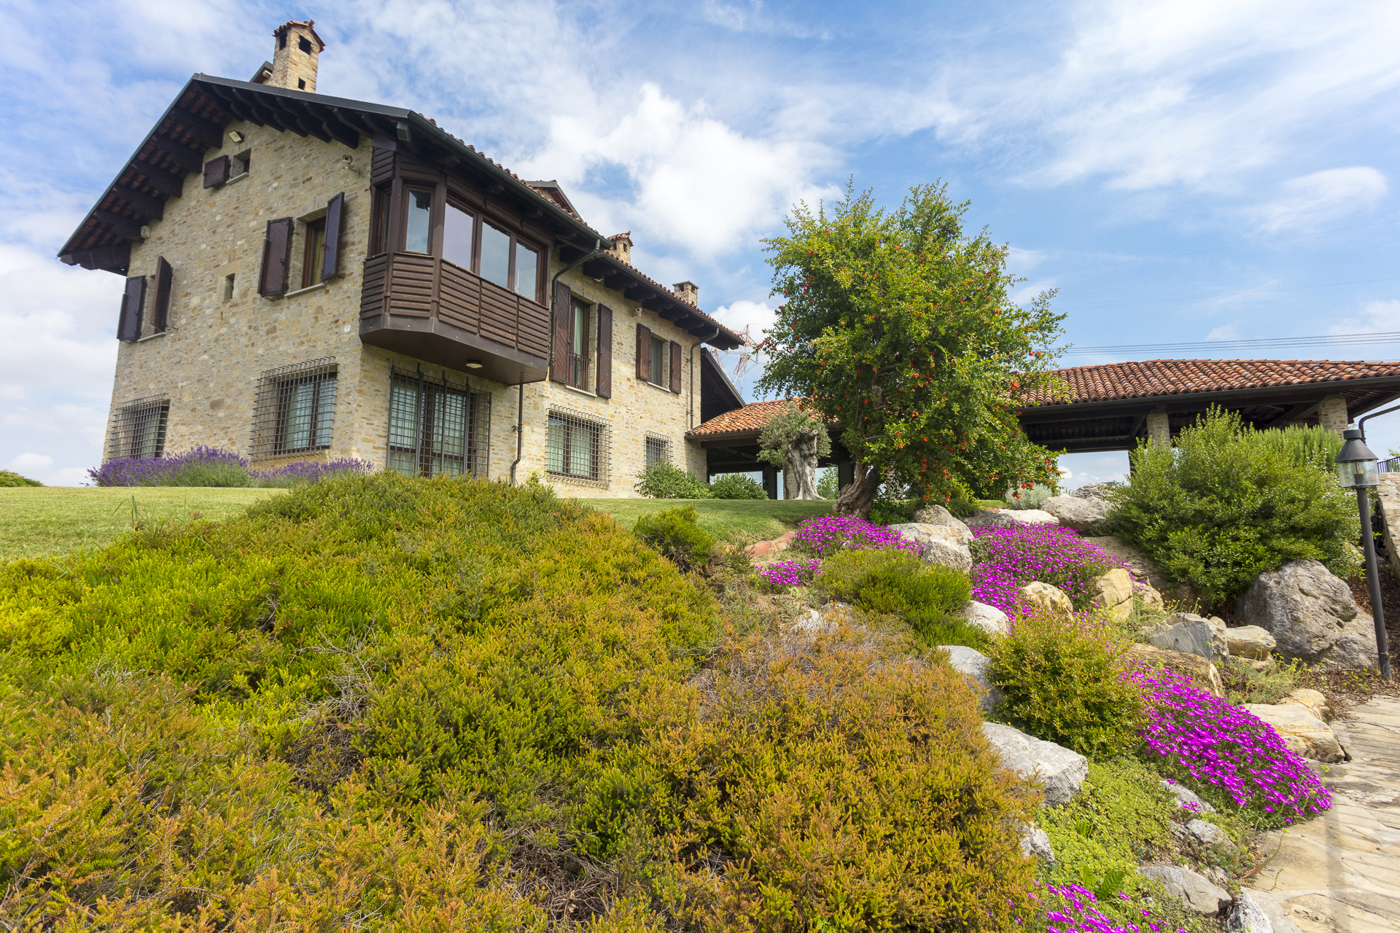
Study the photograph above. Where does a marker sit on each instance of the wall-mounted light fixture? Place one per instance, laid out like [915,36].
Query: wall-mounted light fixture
[473,364]
[235,136]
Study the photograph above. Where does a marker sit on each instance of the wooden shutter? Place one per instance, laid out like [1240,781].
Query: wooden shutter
[133,300]
[330,256]
[563,311]
[604,387]
[675,367]
[216,171]
[277,250]
[160,304]
[643,352]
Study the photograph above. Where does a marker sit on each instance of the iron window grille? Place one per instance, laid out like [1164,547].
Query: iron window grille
[295,409]
[138,428]
[577,448]
[658,451]
[438,426]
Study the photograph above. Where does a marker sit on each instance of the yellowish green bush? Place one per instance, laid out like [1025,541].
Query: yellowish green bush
[899,583]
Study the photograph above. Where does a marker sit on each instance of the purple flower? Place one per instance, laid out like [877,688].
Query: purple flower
[1007,559]
[209,466]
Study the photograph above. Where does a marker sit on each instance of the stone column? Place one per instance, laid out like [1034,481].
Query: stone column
[1159,429]
[1332,414]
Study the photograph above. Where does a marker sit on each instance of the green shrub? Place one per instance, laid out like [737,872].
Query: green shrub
[897,582]
[665,480]
[887,511]
[1227,503]
[1243,684]
[1305,445]
[9,478]
[1031,498]
[963,504]
[737,486]
[677,536]
[1064,683]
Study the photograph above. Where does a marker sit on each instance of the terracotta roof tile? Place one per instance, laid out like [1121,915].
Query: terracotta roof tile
[752,417]
[1151,378]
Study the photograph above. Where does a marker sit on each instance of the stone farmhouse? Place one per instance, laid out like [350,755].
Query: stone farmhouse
[315,278]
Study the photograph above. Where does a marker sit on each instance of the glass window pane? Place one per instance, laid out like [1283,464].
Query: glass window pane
[527,267]
[325,412]
[495,255]
[657,361]
[420,209]
[581,451]
[296,416]
[580,330]
[457,236]
[554,447]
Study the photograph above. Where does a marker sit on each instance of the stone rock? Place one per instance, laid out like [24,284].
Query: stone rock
[1035,843]
[991,518]
[1266,666]
[1094,490]
[1311,700]
[1046,597]
[1083,515]
[976,669]
[1186,798]
[1197,669]
[1193,890]
[1300,730]
[1247,916]
[1032,517]
[1311,614]
[1273,907]
[1113,591]
[1191,634]
[989,619]
[1208,836]
[814,622]
[938,515]
[1249,641]
[937,552]
[939,544]
[1061,770]
[1144,568]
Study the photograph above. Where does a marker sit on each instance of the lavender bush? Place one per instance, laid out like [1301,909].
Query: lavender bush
[1006,559]
[1225,752]
[209,466]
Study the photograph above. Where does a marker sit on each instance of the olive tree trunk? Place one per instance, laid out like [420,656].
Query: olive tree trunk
[802,467]
[858,496]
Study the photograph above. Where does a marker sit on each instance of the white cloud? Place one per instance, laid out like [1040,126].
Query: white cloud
[1312,200]
[1028,293]
[1023,260]
[1224,332]
[1374,317]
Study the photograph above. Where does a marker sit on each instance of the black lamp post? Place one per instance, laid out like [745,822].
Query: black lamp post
[1356,468]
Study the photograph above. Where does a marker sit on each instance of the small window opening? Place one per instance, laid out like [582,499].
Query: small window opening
[228,287]
[420,209]
[301,84]
[304,44]
[240,164]
[658,451]
[315,252]
[282,41]
[658,361]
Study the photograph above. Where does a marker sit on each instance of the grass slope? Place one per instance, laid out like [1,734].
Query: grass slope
[54,520]
[730,521]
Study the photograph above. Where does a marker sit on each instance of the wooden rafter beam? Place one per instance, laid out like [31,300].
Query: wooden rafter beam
[120,225]
[595,269]
[103,257]
[211,135]
[187,160]
[170,185]
[153,208]
[637,293]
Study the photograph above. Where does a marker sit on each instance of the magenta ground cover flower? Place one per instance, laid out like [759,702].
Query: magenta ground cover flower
[1006,559]
[1214,745]
[791,572]
[827,534]
[1074,909]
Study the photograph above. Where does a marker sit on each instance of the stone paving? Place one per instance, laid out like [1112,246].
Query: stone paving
[1340,873]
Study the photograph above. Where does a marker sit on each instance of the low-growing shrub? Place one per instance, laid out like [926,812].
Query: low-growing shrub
[211,467]
[1031,498]
[676,535]
[888,511]
[664,480]
[1243,684]
[1006,559]
[897,582]
[11,479]
[1229,756]
[737,486]
[1065,681]
[1226,503]
[827,534]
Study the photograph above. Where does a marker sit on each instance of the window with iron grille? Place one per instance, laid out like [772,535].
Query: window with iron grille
[138,428]
[438,426]
[658,450]
[295,409]
[577,447]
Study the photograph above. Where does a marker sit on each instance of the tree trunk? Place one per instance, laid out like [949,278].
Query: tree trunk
[802,471]
[857,497]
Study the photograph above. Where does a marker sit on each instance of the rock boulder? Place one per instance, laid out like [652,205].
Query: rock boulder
[1094,490]
[1185,797]
[1061,770]
[1311,615]
[939,544]
[1250,641]
[1193,890]
[1047,598]
[1300,730]
[976,669]
[1191,634]
[989,619]
[938,515]
[1197,669]
[1085,516]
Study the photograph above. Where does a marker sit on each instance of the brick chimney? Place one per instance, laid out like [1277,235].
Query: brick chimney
[294,56]
[621,244]
[688,292]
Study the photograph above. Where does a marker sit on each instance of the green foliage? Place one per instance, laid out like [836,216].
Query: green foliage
[215,475]
[828,483]
[737,486]
[962,504]
[9,479]
[889,511]
[897,582]
[794,432]
[1305,444]
[664,480]
[1227,503]
[1031,498]
[1243,684]
[1063,683]
[899,327]
[677,536]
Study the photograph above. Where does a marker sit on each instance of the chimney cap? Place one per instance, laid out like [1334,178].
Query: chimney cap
[308,25]
[619,237]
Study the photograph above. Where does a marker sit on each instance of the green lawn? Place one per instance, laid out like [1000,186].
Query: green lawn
[54,520]
[733,521]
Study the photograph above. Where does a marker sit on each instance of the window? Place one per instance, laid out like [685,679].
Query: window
[295,409]
[578,346]
[437,427]
[527,271]
[138,428]
[495,255]
[380,231]
[228,287]
[658,361]
[658,451]
[241,164]
[458,228]
[315,251]
[577,447]
[304,44]
[420,213]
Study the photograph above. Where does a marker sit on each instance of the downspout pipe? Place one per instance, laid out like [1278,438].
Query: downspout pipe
[520,396]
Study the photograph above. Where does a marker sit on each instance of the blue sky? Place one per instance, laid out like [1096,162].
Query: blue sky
[1179,170]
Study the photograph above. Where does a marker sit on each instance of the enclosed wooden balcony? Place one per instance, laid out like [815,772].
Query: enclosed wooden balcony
[436,311]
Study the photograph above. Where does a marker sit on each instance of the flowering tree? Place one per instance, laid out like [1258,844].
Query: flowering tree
[898,328]
[793,441]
